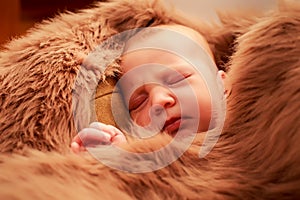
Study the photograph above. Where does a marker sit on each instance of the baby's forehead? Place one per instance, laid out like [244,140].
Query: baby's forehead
[153,61]
[188,32]
[157,44]
[170,37]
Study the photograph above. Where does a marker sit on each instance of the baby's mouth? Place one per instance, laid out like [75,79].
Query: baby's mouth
[172,125]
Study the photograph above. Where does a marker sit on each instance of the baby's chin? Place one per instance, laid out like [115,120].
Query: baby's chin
[181,133]
[188,127]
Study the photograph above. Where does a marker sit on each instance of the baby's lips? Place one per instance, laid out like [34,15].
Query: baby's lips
[172,125]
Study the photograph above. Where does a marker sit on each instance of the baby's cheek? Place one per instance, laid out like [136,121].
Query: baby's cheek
[205,111]
[140,117]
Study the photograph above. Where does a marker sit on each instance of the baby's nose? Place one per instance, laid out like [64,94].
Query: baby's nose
[161,98]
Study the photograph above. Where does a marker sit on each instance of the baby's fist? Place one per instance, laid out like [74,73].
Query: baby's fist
[97,134]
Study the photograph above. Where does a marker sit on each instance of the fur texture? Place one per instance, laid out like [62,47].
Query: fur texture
[256,157]
[40,70]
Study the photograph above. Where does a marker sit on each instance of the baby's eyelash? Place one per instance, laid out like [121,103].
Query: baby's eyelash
[137,101]
[177,78]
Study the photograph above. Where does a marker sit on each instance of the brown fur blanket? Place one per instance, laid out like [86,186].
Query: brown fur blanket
[256,157]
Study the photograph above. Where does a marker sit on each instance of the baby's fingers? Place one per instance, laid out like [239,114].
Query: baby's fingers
[109,129]
[116,135]
[119,139]
[91,137]
[75,147]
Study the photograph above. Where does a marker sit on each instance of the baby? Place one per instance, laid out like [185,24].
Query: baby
[161,87]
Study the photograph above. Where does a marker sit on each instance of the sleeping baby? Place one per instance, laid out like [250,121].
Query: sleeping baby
[169,85]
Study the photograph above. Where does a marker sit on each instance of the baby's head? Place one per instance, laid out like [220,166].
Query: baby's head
[162,85]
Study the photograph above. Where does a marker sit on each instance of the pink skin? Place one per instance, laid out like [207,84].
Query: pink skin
[178,76]
[98,133]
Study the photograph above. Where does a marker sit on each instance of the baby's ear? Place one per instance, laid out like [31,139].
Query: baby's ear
[222,75]
[226,82]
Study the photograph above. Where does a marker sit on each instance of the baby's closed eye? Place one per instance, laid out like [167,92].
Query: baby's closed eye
[176,79]
[137,100]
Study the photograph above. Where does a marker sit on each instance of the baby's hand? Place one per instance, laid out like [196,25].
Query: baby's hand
[97,134]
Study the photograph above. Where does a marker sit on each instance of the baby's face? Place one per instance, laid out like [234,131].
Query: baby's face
[159,84]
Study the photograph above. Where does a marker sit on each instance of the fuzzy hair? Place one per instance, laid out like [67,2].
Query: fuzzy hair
[256,157]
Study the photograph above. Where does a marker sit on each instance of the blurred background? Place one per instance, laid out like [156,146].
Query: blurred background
[16,16]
